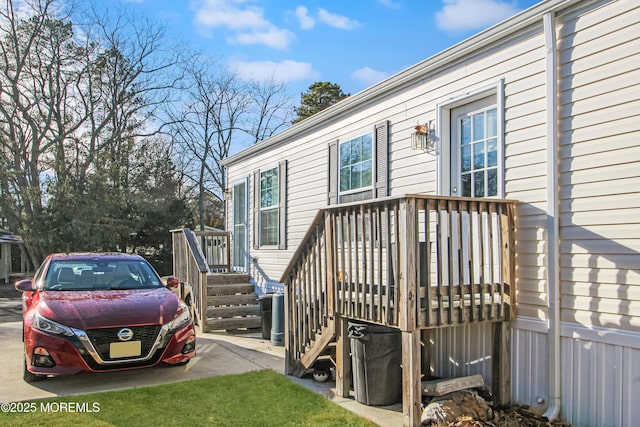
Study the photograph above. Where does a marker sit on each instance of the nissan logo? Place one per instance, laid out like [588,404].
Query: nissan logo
[125,334]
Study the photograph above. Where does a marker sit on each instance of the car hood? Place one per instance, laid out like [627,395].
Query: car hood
[97,309]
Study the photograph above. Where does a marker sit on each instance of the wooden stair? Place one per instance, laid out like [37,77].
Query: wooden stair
[231,302]
[322,348]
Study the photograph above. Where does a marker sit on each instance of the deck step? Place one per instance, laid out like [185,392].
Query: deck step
[226,278]
[234,323]
[231,302]
[235,299]
[233,311]
[230,289]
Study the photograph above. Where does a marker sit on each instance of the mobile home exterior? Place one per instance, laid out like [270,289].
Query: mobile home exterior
[543,108]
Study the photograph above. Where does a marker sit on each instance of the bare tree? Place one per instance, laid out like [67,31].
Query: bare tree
[77,94]
[205,125]
[219,113]
[37,85]
[271,110]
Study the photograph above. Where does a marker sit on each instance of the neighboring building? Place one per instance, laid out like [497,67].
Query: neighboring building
[543,108]
[7,241]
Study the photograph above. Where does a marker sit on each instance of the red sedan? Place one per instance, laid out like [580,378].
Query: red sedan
[101,312]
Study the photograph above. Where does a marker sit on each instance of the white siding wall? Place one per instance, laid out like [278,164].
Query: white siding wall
[599,53]
[600,167]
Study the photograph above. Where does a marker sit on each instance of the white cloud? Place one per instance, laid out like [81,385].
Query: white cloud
[465,15]
[369,76]
[286,71]
[275,38]
[336,21]
[389,4]
[245,20]
[306,22]
[228,13]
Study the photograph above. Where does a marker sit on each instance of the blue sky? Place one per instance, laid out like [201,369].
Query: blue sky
[354,43]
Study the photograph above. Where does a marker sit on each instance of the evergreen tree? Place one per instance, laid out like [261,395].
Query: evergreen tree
[319,96]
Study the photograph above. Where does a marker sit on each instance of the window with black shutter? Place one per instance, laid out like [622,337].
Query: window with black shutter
[358,167]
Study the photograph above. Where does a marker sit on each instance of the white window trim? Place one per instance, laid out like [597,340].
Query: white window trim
[443,130]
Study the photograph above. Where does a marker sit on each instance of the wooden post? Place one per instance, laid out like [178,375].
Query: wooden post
[425,342]
[227,243]
[411,380]
[501,375]
[408,287]
[202,284]
[407,260]
[343,357]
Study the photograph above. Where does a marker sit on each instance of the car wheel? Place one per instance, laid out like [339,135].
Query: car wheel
[30,377]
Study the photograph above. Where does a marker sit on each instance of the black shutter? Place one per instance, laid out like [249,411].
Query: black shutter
[333,173]
[256,209]
[282,208]
[381,132]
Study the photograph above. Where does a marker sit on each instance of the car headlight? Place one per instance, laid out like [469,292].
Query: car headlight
[181,319]
[49,326]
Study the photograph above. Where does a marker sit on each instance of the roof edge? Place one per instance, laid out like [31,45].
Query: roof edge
[499,31]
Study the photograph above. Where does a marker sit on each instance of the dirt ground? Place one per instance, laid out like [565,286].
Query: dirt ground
[508,416]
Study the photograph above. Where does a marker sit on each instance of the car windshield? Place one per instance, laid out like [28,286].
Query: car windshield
[90,274]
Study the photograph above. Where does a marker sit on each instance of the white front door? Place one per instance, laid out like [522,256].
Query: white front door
[240,198]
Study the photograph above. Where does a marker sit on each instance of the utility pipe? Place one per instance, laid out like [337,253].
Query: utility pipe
[553,225]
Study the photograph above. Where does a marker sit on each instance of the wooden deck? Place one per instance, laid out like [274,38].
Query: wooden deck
[413,263]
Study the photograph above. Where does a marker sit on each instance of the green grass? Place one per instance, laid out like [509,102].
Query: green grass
[260,398]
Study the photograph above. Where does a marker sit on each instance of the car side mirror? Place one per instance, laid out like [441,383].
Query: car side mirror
[172,282]
[25,285]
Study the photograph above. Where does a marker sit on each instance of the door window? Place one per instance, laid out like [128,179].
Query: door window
[478,153]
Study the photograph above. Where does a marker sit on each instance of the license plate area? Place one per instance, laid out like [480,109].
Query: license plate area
[125,349]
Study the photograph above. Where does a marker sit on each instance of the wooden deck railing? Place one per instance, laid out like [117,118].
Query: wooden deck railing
[216,246]
[413,262]
[190,265]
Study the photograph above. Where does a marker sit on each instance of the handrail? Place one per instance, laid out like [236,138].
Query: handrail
[190,265]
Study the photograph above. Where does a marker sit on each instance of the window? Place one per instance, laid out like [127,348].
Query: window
[269,207]
[356,165]
[478,153]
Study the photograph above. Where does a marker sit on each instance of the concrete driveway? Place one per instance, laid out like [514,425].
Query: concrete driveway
[217,354]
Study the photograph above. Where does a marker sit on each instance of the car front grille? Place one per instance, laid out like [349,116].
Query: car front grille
[102,338]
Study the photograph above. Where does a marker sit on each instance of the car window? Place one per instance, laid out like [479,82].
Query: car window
[99,273]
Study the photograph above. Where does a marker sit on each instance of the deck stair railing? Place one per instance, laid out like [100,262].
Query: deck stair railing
[412,262]
[190,265]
